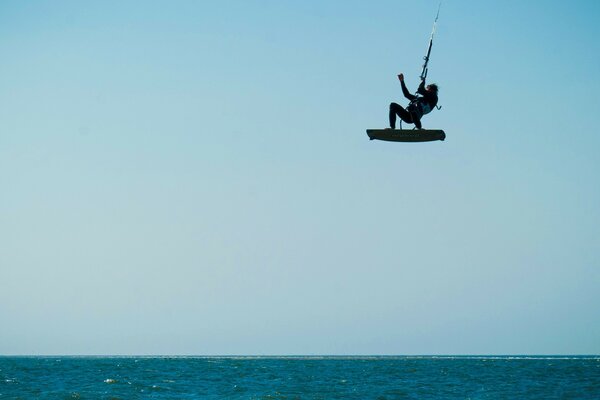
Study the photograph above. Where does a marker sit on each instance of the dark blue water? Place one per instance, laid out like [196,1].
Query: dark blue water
[300,378]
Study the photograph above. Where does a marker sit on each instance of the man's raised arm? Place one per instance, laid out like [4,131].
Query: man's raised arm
[421,89]
[405,91]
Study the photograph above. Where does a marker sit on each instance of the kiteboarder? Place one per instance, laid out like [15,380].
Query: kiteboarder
[419,105]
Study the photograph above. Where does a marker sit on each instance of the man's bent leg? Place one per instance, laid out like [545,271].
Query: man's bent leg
[393,115]
[418,123]
[397,109]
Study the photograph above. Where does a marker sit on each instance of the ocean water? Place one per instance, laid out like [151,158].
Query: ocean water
[300,378]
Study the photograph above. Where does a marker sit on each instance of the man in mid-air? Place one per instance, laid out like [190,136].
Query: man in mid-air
[419,105]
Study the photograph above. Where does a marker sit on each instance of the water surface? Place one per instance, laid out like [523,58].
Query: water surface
[299,377]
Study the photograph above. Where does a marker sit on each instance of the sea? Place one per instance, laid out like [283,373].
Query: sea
[380,378]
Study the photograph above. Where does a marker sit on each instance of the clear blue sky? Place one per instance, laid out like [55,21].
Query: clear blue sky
[194,177]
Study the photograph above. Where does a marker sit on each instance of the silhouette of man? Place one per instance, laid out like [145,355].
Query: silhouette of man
[419,105]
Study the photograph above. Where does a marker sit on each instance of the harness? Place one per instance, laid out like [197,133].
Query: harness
[418,107]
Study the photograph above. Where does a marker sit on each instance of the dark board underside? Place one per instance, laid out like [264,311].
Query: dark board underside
[405,135]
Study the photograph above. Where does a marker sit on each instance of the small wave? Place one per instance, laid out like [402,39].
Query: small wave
[110,381]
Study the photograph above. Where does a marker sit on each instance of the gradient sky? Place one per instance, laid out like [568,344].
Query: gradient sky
[194,177]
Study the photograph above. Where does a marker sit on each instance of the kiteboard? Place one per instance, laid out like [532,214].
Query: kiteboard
[406,135]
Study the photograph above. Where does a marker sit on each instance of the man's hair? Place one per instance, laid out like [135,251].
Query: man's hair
[434,87]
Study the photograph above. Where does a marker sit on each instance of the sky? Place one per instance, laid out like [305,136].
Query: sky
[194,178]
